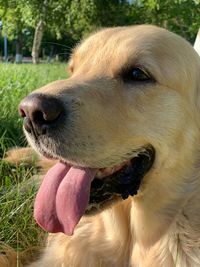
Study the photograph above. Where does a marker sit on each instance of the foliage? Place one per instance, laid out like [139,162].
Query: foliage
[67,21]
[180,16]
[88,15]
[11,15]
[49,11]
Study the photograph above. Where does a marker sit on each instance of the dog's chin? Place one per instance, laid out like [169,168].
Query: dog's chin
[118,182]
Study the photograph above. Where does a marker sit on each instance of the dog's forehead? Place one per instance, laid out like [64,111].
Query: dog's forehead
[157,50]
[113,42]
[118,37]
[126,45]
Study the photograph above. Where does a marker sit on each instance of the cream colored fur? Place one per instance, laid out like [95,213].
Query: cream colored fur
[160,226]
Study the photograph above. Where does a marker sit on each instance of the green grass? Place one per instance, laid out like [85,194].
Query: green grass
[17,191]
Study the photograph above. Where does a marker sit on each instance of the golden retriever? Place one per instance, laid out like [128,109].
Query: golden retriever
[125,130]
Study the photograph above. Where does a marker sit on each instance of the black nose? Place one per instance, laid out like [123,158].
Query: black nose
[40,112]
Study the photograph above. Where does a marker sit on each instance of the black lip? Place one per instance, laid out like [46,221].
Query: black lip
[124,182]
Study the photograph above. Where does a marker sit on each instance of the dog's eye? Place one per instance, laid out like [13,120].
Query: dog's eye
[135,74]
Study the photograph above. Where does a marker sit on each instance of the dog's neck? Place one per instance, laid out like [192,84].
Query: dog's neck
[166,215]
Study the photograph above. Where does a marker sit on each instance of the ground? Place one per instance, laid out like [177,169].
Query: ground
[16,192]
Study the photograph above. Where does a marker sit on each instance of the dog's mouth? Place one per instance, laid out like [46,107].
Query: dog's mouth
[68,192]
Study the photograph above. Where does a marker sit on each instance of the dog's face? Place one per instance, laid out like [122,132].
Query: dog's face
[124,112]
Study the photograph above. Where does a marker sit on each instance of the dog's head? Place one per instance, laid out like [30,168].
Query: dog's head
[124,114]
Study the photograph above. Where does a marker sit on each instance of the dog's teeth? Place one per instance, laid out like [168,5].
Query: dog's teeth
[109,170]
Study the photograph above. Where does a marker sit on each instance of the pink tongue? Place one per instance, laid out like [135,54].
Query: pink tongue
[63,197]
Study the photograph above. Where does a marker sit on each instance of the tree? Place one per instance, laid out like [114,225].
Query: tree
[180,16]
[74,19]
[85,16]
[37,41]
[13,25]
[18,15]
[43,14]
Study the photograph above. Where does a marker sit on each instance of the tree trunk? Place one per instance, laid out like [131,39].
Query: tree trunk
[19,45]
[37,41]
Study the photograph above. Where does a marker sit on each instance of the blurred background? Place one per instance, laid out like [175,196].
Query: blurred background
[33,29]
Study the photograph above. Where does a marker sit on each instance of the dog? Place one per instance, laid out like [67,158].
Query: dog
[124,130]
